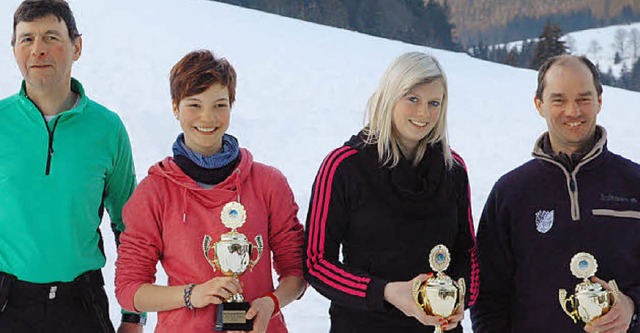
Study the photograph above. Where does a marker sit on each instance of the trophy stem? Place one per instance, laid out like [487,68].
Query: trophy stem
[438,329]
[236,298]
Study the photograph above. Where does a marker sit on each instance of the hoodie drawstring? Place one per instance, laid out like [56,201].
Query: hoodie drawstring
[184,205]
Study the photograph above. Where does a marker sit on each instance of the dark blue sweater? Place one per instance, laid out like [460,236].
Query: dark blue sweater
[524,260]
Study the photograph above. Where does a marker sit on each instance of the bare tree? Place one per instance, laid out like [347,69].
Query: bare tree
[594,48]
[620,42]
[634,42]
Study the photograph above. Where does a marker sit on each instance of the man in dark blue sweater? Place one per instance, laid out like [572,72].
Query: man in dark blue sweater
[573,196]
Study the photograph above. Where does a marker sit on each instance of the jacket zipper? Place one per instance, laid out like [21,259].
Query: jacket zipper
[572,184]
[50,132]
[572,187]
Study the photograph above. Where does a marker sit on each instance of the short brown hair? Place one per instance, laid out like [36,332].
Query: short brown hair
[30,10]
[199,70]
[560,60]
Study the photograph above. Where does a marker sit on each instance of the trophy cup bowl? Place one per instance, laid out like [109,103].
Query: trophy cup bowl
[439,295]
[232,255]
[590,300]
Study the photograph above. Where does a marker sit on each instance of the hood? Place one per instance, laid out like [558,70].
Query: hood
[228,190]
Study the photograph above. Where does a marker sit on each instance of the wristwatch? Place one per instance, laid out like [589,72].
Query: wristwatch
[134,318]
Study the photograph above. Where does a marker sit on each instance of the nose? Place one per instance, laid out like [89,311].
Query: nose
[573,109]
[38,48]
[423,110]
[209,116]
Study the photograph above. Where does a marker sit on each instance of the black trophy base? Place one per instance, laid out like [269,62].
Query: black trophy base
[232,317]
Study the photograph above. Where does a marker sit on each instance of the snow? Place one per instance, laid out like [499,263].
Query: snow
[302,91]
[604,37]
[598,45]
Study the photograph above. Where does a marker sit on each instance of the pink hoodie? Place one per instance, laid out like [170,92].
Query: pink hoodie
[168,216]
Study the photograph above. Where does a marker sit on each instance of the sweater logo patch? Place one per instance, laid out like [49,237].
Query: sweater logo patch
[544,221]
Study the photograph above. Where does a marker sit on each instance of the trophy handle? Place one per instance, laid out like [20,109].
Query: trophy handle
[462,289]
[415,291]
[614,292]
[260,247]
[206,246]
[562,297]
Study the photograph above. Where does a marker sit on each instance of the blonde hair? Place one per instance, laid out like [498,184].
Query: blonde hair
[403,74]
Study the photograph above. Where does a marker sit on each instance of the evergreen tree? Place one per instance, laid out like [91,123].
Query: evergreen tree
[616,58]
[440,29]
[634,77]
[549,45]
[526,54]
[512,58]
[625,77]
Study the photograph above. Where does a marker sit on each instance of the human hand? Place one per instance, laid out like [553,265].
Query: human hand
[399,295]
[260,311]
[618,319]
[214,291]
[454,319]
[130,328]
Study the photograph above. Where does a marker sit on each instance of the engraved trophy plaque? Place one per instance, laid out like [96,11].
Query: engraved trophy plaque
[232,255]
[590,300]
[439,295]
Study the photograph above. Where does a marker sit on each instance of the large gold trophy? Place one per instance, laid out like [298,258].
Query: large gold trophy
[439,295]
[590,300]
[232,254]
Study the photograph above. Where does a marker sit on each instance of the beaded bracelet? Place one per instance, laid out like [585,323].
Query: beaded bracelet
[187,296]
[276,309]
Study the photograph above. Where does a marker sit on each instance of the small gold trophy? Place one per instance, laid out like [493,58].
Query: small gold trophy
[232,254]
[439,295]
[590,300]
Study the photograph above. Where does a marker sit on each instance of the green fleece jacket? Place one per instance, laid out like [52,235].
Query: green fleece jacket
[56,178]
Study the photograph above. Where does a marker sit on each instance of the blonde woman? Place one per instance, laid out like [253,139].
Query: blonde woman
[387,196]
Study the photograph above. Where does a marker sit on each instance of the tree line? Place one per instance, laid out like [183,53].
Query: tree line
[533,52]
[413,21]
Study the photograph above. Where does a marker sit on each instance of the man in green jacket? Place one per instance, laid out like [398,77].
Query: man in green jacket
[63,159]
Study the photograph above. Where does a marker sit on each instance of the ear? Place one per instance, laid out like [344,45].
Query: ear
[176,111]
[599,104]
[77,48]
[538,103]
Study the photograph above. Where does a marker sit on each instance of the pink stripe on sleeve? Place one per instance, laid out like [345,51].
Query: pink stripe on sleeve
[325,271]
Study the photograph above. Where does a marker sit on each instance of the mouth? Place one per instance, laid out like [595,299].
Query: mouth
[40,66]
[418,123]
[206,130]
[574,123]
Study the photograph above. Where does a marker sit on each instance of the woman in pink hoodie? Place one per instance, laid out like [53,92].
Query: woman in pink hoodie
[180,203]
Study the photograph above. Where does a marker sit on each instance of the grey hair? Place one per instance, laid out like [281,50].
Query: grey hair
[403,74]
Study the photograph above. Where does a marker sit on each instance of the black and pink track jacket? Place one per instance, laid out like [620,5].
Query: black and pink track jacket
[386,220]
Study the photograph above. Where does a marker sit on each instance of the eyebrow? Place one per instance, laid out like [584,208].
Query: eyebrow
[48,32]
[561,95]
[198,100]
